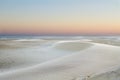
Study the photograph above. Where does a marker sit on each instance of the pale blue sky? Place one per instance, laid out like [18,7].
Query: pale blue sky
[61,12]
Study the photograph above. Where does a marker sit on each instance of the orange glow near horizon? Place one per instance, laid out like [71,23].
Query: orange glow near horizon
[64,30]
[60,17]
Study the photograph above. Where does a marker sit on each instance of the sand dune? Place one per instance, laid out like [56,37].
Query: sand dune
[90,61]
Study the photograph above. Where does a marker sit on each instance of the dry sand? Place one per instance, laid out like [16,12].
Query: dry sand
[86,61]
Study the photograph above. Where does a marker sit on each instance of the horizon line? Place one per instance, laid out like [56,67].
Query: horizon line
[59,34]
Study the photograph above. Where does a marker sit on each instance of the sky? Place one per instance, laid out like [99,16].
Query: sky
[60,17]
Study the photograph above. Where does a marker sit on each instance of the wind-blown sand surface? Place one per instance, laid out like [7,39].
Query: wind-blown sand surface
[61,60]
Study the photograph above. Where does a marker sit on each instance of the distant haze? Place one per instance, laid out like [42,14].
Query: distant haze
[63,17]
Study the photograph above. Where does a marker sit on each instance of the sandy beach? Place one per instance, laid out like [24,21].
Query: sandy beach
[59,59]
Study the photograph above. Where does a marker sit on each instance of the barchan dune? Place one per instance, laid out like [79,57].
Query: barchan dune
[60,60]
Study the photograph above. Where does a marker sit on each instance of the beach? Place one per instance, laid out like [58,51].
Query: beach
[54,58]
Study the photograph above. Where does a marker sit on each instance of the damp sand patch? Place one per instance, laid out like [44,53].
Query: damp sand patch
[72,46]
